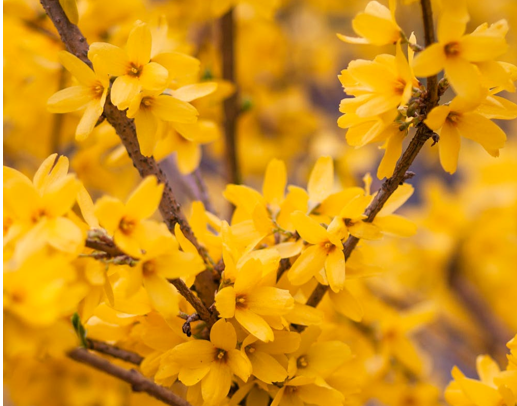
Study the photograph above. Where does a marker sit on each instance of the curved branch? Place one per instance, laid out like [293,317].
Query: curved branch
[400,173]
[115,352]
[138,382]
[125,128]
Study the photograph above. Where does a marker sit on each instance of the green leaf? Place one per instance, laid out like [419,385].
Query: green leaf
[79,330]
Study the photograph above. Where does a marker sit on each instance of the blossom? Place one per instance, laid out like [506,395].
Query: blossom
[127,222]
[132,66]
[212,363]
[250,298]
[459,119]
[456,53]
[376,25]
[90,93]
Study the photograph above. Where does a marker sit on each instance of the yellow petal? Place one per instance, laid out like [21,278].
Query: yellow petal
[464,78]
[124,89]
[487,369]
[48,172]
[146,125]
[163,296]
[308,264]
[239,364]
[60,196]
[355,208]
[335,269]
[327,356]
[396,225]
[321,180]
[191,377]
[69,99]
[275,181]
[436,117]
[109,211]
[111,59]
[304,316]
[78,68]
[70,9]
[391,155]
[430,61]
[364,230]
[254,324]
[128,244]
[87,209]
[189,157]
[194,91]
[449,30]
[216,384]
[479,48]
[223,335]
[270,301]
[397,199]
[225,302]
[352,40]
[64,235]
[345,303]
[139,44]
[169,108]
[144,201]
[449,147]
[480,129]
[266,368]
[88,120]
[202,131]
[309,229]
[178,64]
[153,77]
[377,30]
[194,354]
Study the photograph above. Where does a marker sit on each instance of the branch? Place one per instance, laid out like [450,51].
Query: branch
[116,352]
[125,128]
[231,106]
[138,382]
[400,173]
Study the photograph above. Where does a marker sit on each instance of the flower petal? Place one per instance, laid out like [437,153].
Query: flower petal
[216,384]
[464,78]
[321,180]
[139,44]
[144,200]
[308,264]
[480,129]
[153,77]
[124,89]
[78,68]
[169,108]
[309,229]
[69,99]
[111,59]
[255,324]
[225,302]
[88,120]
[223,335]
[396,225]
[164,297]
[194,91]
[270,301]
[146,125]
[335,269]
[430,61]
[266,368]
[346,304]
[449,147]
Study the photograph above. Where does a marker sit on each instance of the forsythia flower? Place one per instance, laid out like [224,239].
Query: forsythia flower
[132,67]
[212,363]
[127,222]
[457,54]
[91,92]
[376,25]
[460,119]
[250,298]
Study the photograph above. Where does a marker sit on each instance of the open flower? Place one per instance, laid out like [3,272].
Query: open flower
[376,25]
[127,222]
[460,119]
[90,93]
[132,67]
[324,252]
[249,299]
[456,53]
[212,363]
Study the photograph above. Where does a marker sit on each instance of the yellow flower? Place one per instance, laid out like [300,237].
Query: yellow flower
[212,363]
[161,261]
[269,360]
[90,93]
[304,391]
[250,298]
[379,85]
[376,25]
[460,119]
[325,252]
[127,222]
[132,67]
[456,54]
[39,207]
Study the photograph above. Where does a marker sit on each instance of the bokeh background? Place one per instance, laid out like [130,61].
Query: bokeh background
[463,261]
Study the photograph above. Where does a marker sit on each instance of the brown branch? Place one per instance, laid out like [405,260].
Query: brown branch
[202,190]
[400,173]
[116,352]
[146,166]
[138,382]
[231,105]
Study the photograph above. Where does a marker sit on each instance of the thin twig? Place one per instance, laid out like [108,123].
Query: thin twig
[138,382]
[203,191]
[113,351]
[146,166]
[400,174]
[231,105]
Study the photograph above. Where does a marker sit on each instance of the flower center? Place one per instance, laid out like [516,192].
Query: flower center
[146,102]
[453,118]
[302,362]
[399,87]
[97,90]
[18,296]
[221,355]
[149,267]
[250,349]
[452,49]
[240,302]
[134,70]
[38,215]
[126,226]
